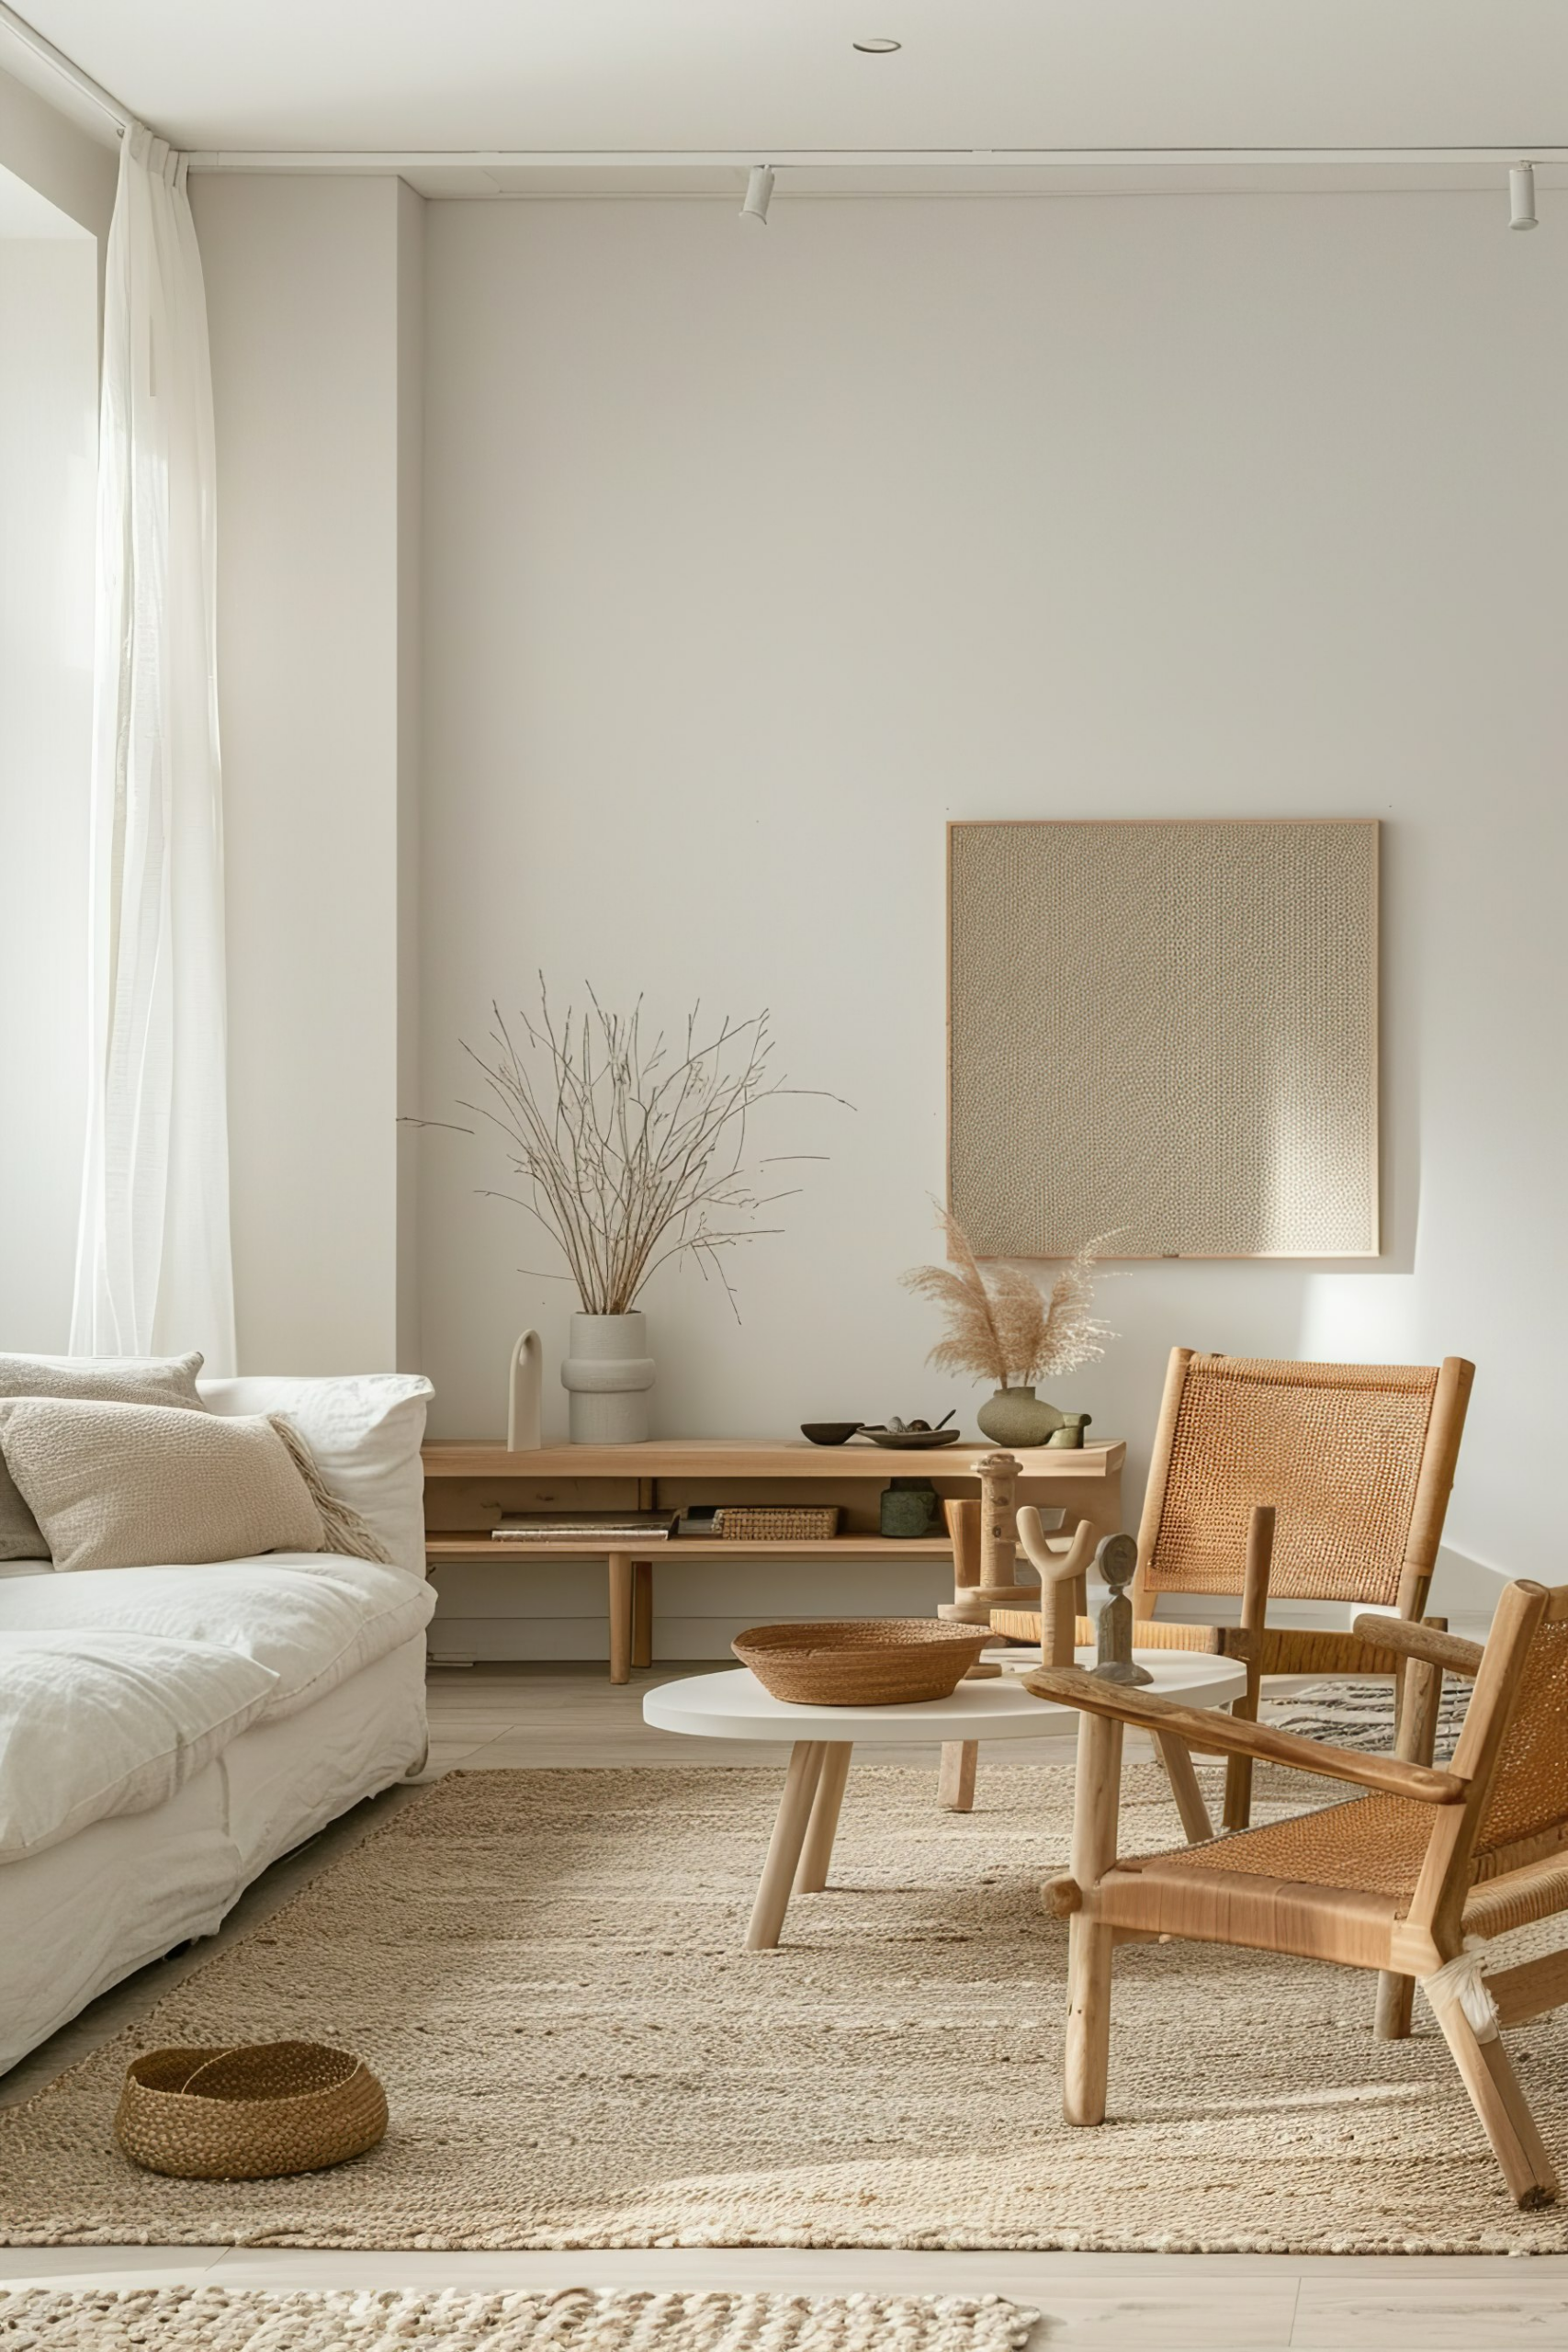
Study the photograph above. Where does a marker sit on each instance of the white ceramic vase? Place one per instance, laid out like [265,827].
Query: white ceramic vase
[607,1377]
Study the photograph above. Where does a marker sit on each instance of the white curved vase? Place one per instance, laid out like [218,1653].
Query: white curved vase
[607,1377]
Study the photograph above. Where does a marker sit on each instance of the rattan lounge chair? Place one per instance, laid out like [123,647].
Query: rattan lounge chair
[1355,1463]
[1403,1879]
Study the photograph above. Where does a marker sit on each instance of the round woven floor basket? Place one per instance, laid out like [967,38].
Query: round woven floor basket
[870,1662]
[250,2113]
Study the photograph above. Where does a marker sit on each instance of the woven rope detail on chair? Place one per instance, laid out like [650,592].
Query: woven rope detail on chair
[1336,1448]
[1376,1844]
[1495,1909]
[1530,1792]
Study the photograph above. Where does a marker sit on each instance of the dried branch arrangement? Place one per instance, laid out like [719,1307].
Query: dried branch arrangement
[630,1151]
[1001,1325]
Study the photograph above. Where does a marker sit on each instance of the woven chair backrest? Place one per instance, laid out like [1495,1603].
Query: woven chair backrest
[1336,1448]
[1529,1801]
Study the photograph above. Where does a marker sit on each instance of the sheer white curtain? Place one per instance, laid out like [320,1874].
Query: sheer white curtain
[154,1271]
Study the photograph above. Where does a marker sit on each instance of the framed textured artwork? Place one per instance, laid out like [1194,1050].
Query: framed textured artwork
[1166,1031]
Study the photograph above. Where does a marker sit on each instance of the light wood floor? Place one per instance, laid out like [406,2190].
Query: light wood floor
[488,1718]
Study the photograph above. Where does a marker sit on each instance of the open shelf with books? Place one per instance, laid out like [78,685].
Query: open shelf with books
[471,1488]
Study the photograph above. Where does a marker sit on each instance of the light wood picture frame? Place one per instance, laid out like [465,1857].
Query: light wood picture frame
[1165,1031]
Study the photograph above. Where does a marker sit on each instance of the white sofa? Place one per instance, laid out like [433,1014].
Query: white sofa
[331,1710]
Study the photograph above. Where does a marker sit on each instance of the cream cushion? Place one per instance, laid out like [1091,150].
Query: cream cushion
[131,1486]
[364,1430]
[94,1724]
[123,1380]
[313,1619]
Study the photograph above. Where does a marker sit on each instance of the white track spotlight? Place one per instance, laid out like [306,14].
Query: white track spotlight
[758,196]
[1521,196]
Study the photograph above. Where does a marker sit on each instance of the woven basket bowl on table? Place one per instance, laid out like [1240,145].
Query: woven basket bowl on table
[254,2112]
[870,1662]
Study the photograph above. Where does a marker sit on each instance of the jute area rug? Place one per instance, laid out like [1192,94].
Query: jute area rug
[213,2319]
[546,1970]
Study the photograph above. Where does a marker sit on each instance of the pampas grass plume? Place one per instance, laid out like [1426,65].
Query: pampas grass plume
[1001,1325]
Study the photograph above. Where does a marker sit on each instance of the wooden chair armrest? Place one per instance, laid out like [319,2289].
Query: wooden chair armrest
[1207,1728]
[1397,1634]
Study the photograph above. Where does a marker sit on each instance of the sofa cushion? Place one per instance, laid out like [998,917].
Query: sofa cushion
[365,1431]
[122,1380]
[133,1485]
[312,1619]
[94,1724]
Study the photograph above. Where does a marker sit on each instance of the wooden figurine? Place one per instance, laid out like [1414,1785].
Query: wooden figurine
[987,1529]
[1117,1560]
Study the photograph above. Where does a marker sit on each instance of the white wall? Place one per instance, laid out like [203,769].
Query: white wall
[75,170]
[752,560]
[57,189]
[312,295]
[48,335]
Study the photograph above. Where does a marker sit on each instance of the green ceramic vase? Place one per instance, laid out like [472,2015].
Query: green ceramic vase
[1017,1416]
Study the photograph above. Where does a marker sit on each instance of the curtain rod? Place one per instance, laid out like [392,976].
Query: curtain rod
[66,67]
[1549,154]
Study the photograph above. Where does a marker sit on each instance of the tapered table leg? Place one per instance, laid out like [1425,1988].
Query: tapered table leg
[817,1853]
[956,1782]
[784,1849]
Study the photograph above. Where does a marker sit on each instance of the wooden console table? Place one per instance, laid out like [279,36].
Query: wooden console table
[470,1484]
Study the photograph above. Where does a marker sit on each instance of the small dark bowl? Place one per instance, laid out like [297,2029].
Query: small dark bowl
[829,1432]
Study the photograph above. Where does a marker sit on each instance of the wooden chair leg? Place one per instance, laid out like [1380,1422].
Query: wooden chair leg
[1497,2099]
[1414,1741]
[1086,2065]
[1254,1611]
[1238,1812]
[1395,2007]
[956,1784]
[1177,1758]
[783,1849]
[818,1852]
[1096,1803]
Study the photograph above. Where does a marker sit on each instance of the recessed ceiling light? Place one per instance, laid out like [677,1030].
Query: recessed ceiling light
[877,48]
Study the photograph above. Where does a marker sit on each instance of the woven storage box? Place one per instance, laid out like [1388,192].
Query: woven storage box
[251,2113]
[870,1662]
[778,1522]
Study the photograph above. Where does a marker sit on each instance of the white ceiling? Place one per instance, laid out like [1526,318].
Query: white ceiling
[671,77]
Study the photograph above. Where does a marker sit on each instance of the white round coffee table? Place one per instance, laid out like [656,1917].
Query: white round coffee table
[736,1706]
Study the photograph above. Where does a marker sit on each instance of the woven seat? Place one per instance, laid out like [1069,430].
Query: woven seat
[1374,1842]
[1404,1879]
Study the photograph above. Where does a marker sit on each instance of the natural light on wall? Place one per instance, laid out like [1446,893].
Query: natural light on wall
[48,335]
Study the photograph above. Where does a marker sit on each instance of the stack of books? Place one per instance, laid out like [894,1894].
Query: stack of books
[609,1528]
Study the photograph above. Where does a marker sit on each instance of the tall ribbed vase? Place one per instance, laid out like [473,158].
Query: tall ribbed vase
[607,1377]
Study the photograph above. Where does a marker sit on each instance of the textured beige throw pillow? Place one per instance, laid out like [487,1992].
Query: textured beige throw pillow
[136,1486]
[115,1380]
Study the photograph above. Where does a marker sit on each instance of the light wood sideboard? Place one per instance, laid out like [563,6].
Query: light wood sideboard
[469,1484]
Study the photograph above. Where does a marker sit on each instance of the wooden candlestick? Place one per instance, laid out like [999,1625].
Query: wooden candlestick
[988,1582]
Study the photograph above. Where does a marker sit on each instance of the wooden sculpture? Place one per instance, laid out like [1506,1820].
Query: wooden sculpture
[1117,1560]
[986,1582]
[984,1566]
